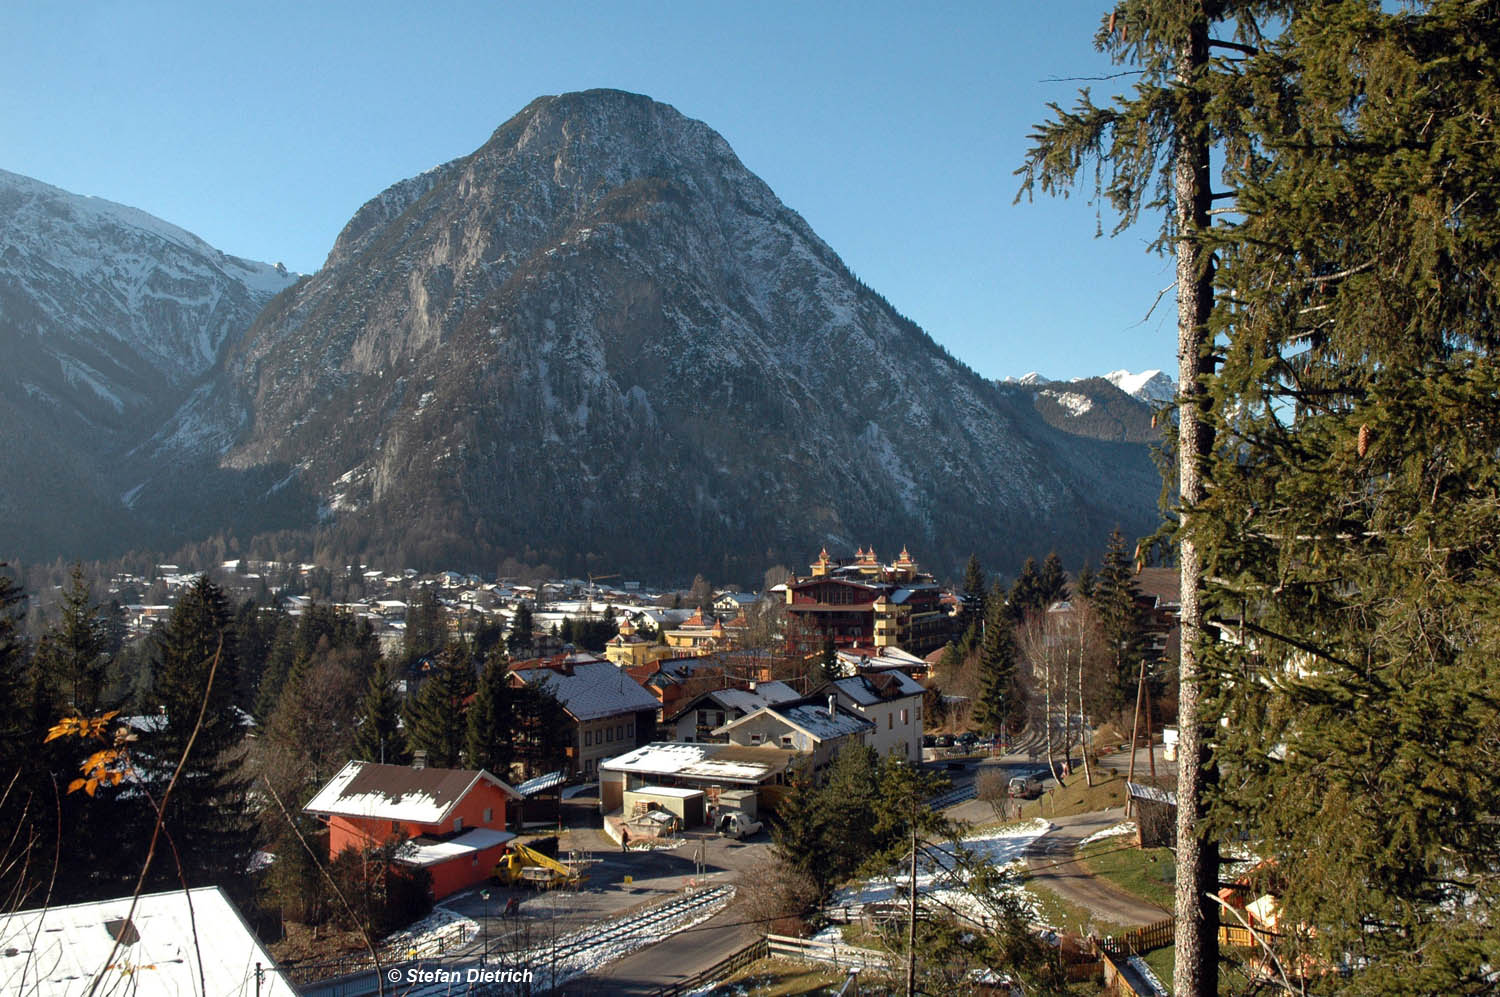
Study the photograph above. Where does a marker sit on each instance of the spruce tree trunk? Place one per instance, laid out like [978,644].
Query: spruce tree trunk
[1083,717]
[1196,972]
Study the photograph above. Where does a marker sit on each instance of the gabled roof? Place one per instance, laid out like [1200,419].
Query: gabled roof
[744,700]
[595,689]
[399,792]
[811,717]
[869,688]
[62,949]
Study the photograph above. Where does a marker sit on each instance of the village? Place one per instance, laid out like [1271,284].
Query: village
[633,854]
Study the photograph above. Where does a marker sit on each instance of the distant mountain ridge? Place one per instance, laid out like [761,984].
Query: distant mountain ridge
[599,340]
[1117,406]
[108,316]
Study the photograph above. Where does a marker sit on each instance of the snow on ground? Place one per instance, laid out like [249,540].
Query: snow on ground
[940,881]
[441,930]
[1124,827]
[1139,965]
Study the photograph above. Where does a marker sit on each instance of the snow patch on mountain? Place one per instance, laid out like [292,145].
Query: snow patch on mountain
[1150,386]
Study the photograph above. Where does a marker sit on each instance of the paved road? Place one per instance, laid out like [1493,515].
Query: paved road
[1053,863]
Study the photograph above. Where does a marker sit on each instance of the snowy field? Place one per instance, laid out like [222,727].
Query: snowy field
[939,881]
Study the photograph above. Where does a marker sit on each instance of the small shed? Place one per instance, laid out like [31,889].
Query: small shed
[1156,815]
[541,799]
[687,805]
[738,799]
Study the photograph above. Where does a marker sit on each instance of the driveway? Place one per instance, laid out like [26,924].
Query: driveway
[1052,861]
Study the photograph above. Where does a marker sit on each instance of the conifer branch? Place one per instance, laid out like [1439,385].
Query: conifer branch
[1233,46]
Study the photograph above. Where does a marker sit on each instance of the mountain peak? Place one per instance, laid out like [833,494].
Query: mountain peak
[1150,386]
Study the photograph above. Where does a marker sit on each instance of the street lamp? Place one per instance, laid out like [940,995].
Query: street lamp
[484,960]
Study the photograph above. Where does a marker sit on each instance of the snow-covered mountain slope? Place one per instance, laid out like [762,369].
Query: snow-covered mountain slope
[108,316]
[1150,386]
[599,339]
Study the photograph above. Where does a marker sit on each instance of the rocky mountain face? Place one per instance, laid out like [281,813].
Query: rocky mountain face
[601,342]
[108,318]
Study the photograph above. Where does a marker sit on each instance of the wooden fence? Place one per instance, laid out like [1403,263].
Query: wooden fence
[1136,941]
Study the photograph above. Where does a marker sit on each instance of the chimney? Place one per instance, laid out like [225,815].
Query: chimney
[832,713]
[419,759]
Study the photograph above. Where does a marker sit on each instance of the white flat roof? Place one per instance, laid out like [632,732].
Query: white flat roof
[58,951]
[676,792]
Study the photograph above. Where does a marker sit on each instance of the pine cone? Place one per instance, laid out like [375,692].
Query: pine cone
[1364,440]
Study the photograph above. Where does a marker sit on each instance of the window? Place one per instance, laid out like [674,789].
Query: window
[489,814]
[905,718]
[395,826]
[609,733]
[630,729]
[890,721]
[755,738]
[458,824]
[619,732]
[786,740]
[588,738]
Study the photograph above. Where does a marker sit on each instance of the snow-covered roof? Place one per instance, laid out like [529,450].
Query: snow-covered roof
[398,792]
[1153,793]
[424,853]
[811,717]
[869,688]
[746,700]
[533,786]
[595,689]
[675,792]
[727,762]
[59,950]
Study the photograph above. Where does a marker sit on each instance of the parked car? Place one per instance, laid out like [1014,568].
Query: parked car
[929,740]
[945,741]
[968,739]
[1027,787]
[737,824]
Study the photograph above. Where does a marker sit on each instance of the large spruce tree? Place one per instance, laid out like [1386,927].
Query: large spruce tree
[200,728]
[1351,528]
[999,705]
[492,724]
[1121,623]
[72,653]
[378,736]
[435,721]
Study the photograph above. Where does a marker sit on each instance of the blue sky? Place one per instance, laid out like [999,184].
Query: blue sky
[892,128]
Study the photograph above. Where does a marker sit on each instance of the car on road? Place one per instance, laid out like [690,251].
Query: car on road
[1027,786]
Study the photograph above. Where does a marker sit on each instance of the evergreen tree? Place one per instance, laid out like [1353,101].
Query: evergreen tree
[1026,591]
[999,706]
[849,804]
[1087,580]
[1053,581]
[194,688]
[492,740]
[798,833]
[1356,488]
[542,729]
[520,640]
[378,736]
[435,715]
[971,610]
[72,653]
[829,669]
[426,627]
[1121,621]
[1149,150]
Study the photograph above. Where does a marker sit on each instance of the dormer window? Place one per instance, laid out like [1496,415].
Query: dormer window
[458,824]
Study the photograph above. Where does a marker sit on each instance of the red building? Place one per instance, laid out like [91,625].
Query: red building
[864,603]
[453,820]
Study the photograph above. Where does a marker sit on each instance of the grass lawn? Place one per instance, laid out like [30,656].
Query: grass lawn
[1076,796]
[1143,872]
[780,978]
[1064,915]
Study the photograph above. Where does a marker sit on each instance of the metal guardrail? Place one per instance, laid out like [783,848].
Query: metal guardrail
[732,963]
[826,952]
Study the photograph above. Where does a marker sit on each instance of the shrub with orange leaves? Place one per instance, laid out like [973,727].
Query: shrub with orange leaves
[109,765]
